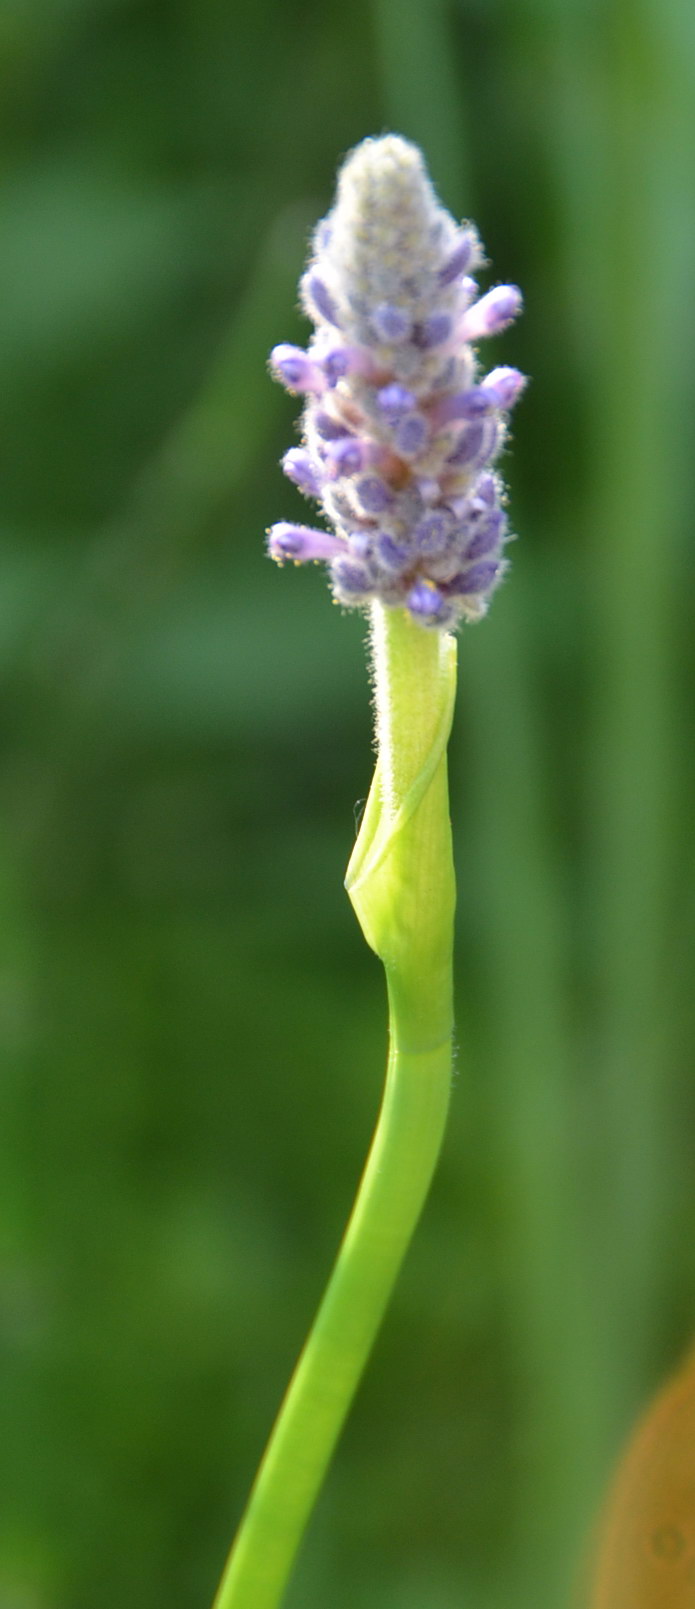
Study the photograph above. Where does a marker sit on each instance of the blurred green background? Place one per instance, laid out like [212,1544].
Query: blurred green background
[192,1031]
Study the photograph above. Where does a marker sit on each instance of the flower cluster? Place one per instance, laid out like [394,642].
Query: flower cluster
[399,429]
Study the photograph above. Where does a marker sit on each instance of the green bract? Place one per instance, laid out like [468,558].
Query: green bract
[401,877]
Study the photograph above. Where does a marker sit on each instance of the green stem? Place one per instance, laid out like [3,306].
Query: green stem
[403,876]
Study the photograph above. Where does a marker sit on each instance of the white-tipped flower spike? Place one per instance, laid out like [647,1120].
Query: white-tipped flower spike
[400,429]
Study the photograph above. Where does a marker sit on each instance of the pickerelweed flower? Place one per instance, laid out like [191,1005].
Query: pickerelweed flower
[400,428]
[400,435]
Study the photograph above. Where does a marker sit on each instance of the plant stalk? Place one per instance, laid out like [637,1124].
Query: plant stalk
[401,882]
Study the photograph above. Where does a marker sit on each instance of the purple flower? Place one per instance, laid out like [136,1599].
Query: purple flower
[470,447]
[493,312]
[395,400]
[391,324]
[427,604]
[319,300]
[296,370]
[352,581]
[506,385]
[400,427]
[464,254]
[435,330]
[347,456]
[373,494]
[299,467]
[478,579]
[339,361]
[300,542]
[486,536]
[392,554]
[431,534]
[470,404]
[411,435]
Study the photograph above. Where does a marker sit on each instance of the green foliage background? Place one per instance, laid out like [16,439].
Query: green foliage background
[192,1031]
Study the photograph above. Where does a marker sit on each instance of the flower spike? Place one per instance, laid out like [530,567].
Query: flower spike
[391,386]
